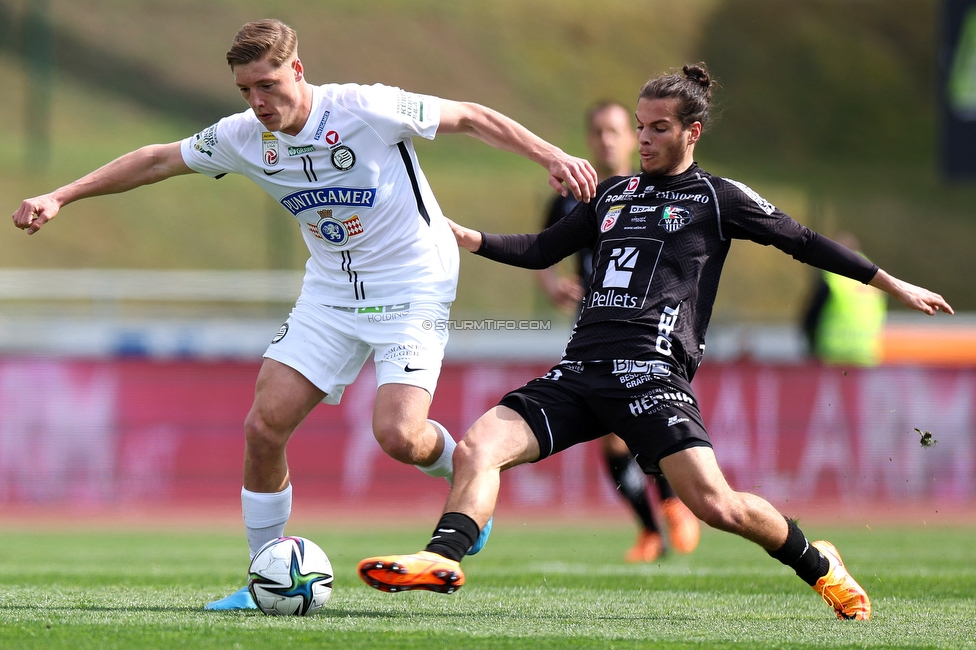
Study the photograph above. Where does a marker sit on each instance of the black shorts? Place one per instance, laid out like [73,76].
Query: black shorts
[656,413]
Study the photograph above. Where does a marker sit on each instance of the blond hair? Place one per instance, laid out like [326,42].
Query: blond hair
[268,39]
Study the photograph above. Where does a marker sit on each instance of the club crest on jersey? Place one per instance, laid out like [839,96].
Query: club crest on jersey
[611,217]
[269,145]
[674,218]
[335,231]
[343,158]
[281,333]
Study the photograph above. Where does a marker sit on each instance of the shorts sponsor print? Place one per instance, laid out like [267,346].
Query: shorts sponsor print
[656,416]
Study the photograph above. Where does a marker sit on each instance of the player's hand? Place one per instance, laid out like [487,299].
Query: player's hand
[573,174]
[910,295]
[467,238]
[34,213]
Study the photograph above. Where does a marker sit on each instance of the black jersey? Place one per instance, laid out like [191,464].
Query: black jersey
[659,246]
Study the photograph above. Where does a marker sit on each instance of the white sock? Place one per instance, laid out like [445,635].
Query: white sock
[444,465]
[265,516]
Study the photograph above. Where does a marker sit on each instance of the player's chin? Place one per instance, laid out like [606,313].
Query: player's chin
[650,167]
[270,122]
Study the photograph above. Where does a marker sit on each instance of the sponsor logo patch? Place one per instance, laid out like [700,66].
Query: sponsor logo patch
[637,209]
[665,326]
[206,140]
[321,128]
[657,400]
[411,105]
[269,146]
[302,200]
[632,185]
[298,151]
[611,217]
[405,352]
[623,261]
[331,138]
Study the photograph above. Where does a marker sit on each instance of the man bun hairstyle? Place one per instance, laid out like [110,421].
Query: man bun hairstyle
[692,88]
[268,39]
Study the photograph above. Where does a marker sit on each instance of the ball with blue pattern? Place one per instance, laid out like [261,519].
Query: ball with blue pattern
[290,576]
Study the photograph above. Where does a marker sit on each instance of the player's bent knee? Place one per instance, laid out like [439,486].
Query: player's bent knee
[469,454]
[261,437]
[399,440]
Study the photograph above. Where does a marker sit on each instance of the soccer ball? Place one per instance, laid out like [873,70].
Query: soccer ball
[290,576]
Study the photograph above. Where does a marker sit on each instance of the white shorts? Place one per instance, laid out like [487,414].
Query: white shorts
[329,345]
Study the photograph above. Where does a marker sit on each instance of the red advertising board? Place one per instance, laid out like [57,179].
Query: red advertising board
[154,432]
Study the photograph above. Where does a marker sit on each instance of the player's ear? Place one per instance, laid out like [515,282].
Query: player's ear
[694,132]
[299,69]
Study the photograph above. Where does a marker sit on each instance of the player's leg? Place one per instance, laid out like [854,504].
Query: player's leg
[408,353]
[283,397]
[498,440]
[540,419]
[312,358]
[632,485]
[404,433]
[698,481]
[683,529]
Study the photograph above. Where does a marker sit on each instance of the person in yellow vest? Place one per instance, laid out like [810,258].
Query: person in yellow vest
[845,319]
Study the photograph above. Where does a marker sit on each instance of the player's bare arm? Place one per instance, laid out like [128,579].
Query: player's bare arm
[912,296]
[491,127]
[468,239]
[144,166]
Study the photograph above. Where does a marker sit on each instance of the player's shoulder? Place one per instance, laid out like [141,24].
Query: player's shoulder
[355,94]
[239,124]
[739,192]
[227,134]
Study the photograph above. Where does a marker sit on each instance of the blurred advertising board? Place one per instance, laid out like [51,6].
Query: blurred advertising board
[144,432]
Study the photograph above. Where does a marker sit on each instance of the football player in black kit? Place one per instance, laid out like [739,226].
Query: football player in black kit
[612,143]
[661,239]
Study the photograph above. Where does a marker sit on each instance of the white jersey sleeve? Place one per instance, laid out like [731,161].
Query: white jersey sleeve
[217,149]
[393,113]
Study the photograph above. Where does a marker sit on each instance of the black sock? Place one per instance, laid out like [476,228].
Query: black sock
[632,484]
[455,534]
[801,556]
[667,492]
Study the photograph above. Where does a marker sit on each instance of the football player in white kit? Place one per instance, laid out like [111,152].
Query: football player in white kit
[383,265]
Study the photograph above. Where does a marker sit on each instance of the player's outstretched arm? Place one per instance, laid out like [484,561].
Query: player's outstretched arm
[144,166]
[909,294]
[566,173]
[468,239]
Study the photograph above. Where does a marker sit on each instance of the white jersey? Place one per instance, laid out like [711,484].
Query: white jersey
[351,177]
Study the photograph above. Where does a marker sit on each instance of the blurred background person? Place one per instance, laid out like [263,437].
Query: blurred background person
[844,319]
[612,143]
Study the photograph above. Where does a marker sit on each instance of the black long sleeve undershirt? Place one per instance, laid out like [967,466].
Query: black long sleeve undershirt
[535,251]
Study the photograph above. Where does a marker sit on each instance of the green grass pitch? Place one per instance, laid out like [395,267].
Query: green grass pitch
[535,586]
